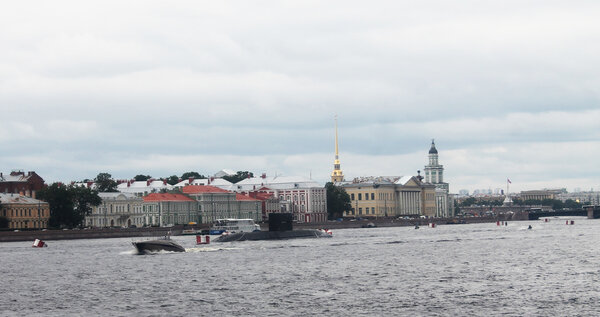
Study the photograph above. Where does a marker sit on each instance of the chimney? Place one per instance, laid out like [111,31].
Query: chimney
[148,182]
[89,184]
[128,183]
[191,180]
[263,176]
[164,182]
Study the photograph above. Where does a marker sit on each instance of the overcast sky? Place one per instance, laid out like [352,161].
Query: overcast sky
[508,89]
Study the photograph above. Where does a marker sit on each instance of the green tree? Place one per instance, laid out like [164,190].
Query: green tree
[83,200]
[195,175]
[239,176]
[468,202]
[338,201]
[571,204]
[172,180]
[141,178]
[68,204]
[105,183]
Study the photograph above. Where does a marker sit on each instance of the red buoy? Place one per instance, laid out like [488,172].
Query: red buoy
[39,244]
[199,240]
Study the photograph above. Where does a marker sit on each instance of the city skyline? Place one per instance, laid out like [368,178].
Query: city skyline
[507,90]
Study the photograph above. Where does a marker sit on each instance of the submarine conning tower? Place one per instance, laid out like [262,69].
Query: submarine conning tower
[281,222]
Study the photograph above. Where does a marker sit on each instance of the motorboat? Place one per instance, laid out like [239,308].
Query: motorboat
[153,246]
[232,225]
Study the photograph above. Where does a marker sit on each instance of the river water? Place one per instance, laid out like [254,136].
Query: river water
[452,270]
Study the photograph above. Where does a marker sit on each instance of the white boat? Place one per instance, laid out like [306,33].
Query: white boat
[233,226]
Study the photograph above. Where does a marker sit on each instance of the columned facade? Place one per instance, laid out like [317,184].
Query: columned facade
[390,197]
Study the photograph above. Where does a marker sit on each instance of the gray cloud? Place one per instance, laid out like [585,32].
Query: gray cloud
[145,87]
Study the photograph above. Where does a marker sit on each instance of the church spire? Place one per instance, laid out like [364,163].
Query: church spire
[336,175]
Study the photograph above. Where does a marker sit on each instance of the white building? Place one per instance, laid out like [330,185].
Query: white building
[217,182]
[143,188]
[116,210]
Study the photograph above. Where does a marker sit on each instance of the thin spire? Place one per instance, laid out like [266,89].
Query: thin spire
[336,175]
[336,139]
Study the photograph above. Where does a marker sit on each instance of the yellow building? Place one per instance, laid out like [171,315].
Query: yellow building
[24,212]
[390,197]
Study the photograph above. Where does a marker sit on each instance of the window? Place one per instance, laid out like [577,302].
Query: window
[366,196]
[360,210]
[372,196]
[352,196]
[359,196]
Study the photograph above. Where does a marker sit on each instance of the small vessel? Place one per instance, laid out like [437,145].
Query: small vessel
[163,244]
[232,225]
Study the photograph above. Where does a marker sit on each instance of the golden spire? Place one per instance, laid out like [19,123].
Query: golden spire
[336,175]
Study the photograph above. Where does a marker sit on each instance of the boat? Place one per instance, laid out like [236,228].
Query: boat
[232,225]
[163,244]
[189,232]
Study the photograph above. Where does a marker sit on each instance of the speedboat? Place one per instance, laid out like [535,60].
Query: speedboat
[152,246]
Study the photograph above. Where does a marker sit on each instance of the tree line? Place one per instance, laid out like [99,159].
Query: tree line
[105,182]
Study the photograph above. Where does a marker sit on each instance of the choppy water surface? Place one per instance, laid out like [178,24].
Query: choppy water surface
[452,270]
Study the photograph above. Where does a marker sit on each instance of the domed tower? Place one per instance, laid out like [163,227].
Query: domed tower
[337,175]
[434,172]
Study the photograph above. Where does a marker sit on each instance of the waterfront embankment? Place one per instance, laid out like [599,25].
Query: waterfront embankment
[102,233]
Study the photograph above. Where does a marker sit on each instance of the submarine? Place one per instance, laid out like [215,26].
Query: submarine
[280,228]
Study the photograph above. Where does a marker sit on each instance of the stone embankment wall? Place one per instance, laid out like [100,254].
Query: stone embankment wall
[31,235]
[8,236]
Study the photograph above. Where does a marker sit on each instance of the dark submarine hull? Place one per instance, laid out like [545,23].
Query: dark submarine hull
[273,235]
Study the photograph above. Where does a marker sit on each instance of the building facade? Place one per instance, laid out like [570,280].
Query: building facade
[217,203]
[143,188]
[117,210]
[24,212]
[166,209]
[583,197]
[304,198]
[390,196]
[539,194]
[17,182]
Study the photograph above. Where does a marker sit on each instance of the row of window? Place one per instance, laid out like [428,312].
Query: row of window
[28,224]
[21,212]
[360,196]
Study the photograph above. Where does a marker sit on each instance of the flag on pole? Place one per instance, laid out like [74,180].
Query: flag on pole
[508,180]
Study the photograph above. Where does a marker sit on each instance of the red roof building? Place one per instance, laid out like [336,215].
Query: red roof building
[166,209]
[17,182]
